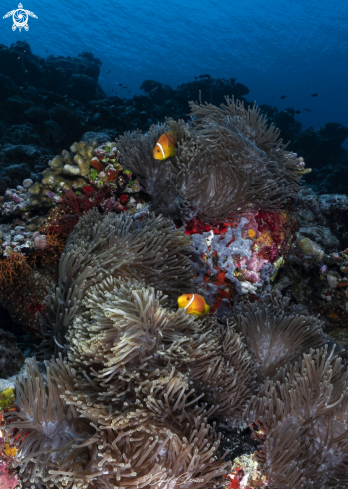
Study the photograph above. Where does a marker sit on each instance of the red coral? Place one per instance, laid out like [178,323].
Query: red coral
[196,226]
[73,206]
[112,175]
[97,165]
[35,307]
[277,230]
[88,190]
[124,199]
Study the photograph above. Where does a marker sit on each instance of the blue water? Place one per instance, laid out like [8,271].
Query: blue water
[275,47]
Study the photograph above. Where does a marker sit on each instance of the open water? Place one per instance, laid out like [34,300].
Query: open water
[278,47]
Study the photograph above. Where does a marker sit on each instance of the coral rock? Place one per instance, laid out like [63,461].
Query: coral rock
[34,189]
[83,164]
[97,164]
[71,170]
[11,357]
[56,164]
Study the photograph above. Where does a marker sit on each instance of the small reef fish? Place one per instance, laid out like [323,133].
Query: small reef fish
[314,95]
[204,76]
[193,304]
[165,146]
[297,112]
[283,96]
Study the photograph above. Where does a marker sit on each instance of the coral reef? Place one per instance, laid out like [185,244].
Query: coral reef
[246,474]
[240,257]
[47,103]
[99,241]
[315,272]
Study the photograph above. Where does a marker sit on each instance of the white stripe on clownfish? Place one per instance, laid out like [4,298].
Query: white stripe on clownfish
[192,299]
[161,148]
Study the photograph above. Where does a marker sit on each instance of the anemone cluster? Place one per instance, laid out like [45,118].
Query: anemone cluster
[114,245]
[227,161]
[137,392]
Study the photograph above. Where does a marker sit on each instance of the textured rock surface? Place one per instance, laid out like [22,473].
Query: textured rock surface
[11,357]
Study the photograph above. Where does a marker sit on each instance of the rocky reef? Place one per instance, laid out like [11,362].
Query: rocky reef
[45,104]
[98,240]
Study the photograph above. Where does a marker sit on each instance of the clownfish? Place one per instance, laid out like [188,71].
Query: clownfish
[165,146]
[193,304]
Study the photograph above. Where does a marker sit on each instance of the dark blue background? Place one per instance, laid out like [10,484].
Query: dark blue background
[275,47]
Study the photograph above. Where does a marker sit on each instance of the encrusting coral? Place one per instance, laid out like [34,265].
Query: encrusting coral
[227,161]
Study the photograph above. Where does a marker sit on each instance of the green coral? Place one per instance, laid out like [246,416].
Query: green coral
[93,174]
[7,398]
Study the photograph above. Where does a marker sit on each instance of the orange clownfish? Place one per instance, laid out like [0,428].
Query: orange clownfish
[165,146]
[193,304]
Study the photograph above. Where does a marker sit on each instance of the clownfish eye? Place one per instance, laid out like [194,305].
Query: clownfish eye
[188,299]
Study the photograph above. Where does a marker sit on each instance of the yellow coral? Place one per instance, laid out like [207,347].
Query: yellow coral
[9,451]
[7,398]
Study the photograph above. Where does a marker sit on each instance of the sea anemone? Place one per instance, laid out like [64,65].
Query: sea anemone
[114,245]
[126,333]
[277,333]
[302,424]
[227,161]
[156,438]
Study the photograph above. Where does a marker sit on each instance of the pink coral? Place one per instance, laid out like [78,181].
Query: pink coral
[7,479]
[40,242]
[251,266]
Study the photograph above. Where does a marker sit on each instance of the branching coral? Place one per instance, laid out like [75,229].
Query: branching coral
[12,268]
[277,333]
[226,161]
[112,245]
